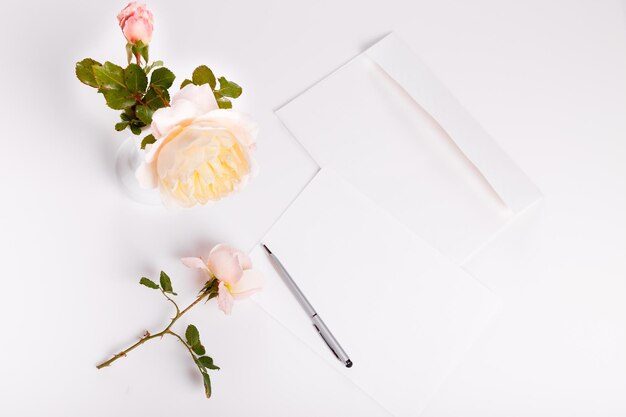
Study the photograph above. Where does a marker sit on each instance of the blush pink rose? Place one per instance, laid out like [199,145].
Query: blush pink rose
[233,269]
[136,22]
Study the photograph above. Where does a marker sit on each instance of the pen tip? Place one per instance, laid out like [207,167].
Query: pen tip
[266,249]
[348,363]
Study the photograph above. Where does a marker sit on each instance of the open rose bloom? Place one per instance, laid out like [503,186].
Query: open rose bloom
[233,269]
[202,153]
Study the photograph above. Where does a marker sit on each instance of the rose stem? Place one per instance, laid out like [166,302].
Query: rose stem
[167,330]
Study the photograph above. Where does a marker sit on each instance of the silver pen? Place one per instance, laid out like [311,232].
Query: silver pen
[317,321]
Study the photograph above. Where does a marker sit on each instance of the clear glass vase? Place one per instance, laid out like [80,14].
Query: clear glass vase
[129,157]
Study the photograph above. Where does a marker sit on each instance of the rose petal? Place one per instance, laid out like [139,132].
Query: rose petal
[146,175]
[194,263]
[130,9]
[251,282]
[137,28]
[224,299]
[239,124]
[166,118]
[224,263]
[200,95]
[136,22]
[244,259]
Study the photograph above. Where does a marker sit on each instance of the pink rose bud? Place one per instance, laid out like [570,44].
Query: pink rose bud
[136,23]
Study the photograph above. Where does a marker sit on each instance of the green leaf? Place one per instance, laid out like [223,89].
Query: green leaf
[148,140]
[135,79]
[184,83]
[135,129]
[144,53]
[162,77]
[193,339]
[210,285]
[137,123]
[118,99]
[121,126]
[192,335]
[85,72]
[156,98]
[207,384]
[166,283]
[126,117]
[229,88]
[140,48]
[129,52]
[144,113]
[203,75]
[207,362]
[148,283]
[224,103]
[110,76]
[154,65]
[198,349]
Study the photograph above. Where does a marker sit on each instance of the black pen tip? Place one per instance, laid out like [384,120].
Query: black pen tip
[266,249]
[348,363]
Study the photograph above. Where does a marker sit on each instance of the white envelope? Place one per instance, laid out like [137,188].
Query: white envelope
[403,312]
[386,124]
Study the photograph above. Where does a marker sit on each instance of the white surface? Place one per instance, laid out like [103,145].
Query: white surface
[404,313]
[546,80]
[398,135]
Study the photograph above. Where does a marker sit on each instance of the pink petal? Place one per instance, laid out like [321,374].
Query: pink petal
[193,263]
[244,259]
[251,282]
[224,263]
[224,299]
[130,9]
[137,28]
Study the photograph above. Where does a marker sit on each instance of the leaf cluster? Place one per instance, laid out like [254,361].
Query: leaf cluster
[210,288]
[203,362]
[227,89]
[129,89]
[164,280]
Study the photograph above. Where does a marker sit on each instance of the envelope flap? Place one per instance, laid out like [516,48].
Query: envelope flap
[390,128]
[507,179]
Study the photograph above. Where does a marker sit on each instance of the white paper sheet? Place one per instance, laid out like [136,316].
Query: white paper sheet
[387,125]
[403,311]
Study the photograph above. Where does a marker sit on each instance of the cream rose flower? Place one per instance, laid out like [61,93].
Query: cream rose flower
[202,153]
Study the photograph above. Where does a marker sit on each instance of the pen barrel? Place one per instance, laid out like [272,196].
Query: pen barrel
[317,321]
[293,287]
[330,340]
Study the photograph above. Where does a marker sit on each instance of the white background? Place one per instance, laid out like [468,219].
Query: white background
[547,79]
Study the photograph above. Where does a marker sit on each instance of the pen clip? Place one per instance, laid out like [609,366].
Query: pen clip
[325,341]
